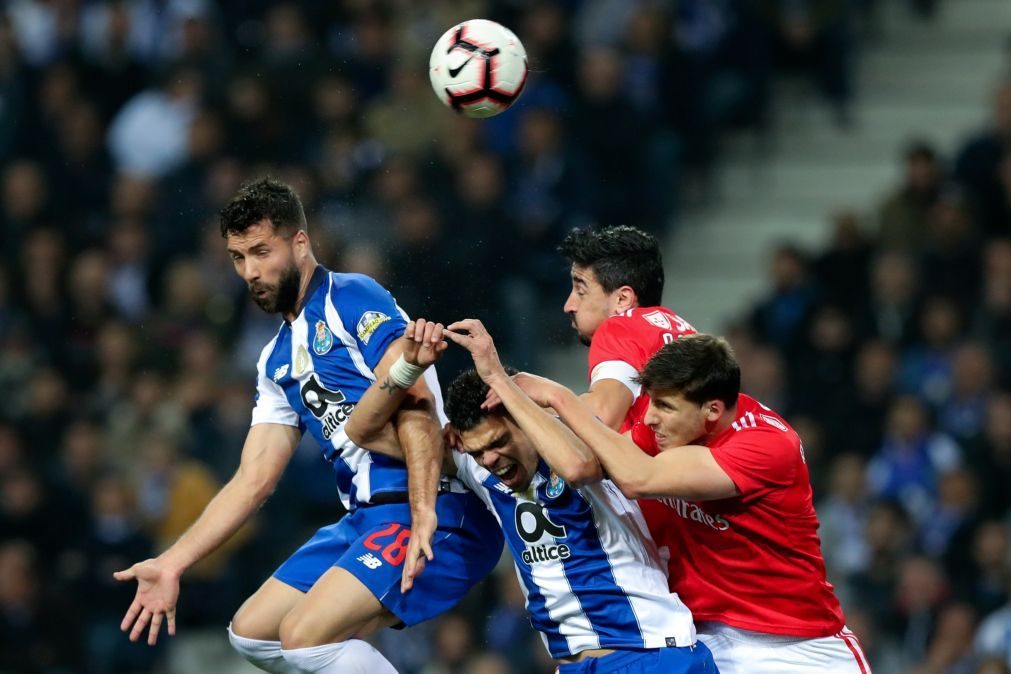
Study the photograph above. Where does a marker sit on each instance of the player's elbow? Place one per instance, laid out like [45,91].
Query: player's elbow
[258,485]
[632,486]
[581,472]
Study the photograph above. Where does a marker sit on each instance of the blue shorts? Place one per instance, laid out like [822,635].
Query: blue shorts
[688,660]
[371,543]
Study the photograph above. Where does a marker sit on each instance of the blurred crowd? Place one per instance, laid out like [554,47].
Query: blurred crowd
[128,345]
[890,352]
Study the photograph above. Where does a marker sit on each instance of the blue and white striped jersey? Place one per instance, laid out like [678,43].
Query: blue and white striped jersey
[317,367]
[591,573]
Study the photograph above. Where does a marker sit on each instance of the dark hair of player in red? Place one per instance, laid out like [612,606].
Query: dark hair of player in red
[619,256]
[698,367]
[263,199]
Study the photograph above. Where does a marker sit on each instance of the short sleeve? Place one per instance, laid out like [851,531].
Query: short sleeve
[615,342]
[369,314]
[469,472]
[271,405]
[758,459]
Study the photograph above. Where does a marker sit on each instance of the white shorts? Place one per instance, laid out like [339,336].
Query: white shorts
[739,651]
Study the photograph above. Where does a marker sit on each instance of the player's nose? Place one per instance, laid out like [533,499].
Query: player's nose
[570,303]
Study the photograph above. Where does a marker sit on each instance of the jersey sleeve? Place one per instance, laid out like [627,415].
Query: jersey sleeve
[469,472]
[758,459]
[271,406]
[616,352]
[369,314]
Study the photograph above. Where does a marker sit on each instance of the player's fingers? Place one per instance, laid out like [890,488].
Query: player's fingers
[426,547]
[457,338]
[125,574]
[419,329]
[466,324]
[491,401]
[138,627]
[131,615]
[437,333]
[407,577]
[171,616]
[152,634]
[409,331]
[427,338]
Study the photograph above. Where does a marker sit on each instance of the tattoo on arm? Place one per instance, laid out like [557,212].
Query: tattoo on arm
[388,386]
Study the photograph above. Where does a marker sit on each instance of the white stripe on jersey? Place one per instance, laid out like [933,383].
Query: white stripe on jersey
[595,615]
[336,325]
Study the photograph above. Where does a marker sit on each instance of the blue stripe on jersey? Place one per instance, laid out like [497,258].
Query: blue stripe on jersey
[369,314]
[336,370]
[589,572]
[387,474]
[537,611]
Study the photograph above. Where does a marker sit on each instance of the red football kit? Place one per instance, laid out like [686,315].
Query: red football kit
[752,561]
[622,345]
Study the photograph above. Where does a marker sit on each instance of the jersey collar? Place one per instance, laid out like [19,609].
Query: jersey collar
[318,276]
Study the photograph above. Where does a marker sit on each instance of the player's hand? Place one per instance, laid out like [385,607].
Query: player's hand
[155,601]
[471,334]
[540,390]
[423,342]
[419,547]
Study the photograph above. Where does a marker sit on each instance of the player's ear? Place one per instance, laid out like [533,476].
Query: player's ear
[300,241]
[714,409]
[625,299]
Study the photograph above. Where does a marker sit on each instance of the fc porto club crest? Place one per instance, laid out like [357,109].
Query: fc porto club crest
[556,486]
[323,341]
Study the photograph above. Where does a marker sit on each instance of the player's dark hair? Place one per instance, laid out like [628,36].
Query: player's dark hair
[619,256]
[464,398]
[263,199]
[699,367]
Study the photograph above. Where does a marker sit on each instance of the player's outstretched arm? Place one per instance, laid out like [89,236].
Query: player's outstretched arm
[688,472]
[266,453]
[567,455]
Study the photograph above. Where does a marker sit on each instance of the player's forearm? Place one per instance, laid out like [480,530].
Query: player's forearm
[623,462]
[421,441]
[374,411]
[607,406]
[232,507]
[567,455]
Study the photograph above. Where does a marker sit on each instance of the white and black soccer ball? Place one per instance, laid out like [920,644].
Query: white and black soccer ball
[478,68]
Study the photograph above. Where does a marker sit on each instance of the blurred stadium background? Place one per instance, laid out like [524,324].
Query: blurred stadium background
[831,178]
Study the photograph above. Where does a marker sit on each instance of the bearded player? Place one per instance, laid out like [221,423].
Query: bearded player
[339,334]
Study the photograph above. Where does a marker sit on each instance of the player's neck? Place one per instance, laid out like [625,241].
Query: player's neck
[305,278]
[723,423]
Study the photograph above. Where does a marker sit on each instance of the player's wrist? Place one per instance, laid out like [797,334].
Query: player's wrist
[403,374]
[170,565]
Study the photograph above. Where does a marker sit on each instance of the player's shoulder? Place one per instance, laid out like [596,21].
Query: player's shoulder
[754,418]
[353,284]
[267,351]
[646,320]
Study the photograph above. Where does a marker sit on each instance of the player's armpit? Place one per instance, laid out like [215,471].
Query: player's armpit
[610,400]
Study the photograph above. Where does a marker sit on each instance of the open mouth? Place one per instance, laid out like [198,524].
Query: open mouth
[507,474]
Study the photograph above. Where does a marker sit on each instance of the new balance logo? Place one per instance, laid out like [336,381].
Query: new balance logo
[370,560]
[280,372]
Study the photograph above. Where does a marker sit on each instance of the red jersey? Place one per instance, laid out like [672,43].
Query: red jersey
[622,345]
[752,561]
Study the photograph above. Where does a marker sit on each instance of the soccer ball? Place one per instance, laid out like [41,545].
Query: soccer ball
[478,68]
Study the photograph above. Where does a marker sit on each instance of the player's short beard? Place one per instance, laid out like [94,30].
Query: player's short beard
[282,298]
[583,339]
